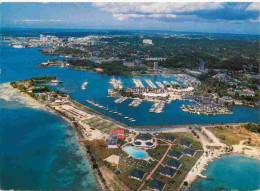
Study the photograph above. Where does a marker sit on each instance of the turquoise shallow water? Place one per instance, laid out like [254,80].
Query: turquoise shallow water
[39,151]
[233,172]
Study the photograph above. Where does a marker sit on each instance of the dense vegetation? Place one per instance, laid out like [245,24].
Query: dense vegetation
[109,68]
[253,127]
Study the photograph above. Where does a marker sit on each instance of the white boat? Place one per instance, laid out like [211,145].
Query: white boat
[83,86]
[18,46]
[56,81]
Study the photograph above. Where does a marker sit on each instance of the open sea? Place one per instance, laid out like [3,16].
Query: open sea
[39,150]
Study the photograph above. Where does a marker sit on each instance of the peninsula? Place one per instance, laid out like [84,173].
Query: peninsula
[129,158]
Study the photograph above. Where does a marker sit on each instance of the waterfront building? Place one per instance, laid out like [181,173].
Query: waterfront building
[169,172]
[185,144]
[137,174]
[156,185]
[189,152]
[175,154]
[172,163]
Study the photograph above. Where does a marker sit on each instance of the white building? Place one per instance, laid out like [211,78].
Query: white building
[148,41]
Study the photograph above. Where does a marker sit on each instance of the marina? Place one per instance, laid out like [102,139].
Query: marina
[150,83]
[160,84]
[112,111]
[207,109]
[120,100]
[157,107]
[116,83]
[135,103]
[138,83]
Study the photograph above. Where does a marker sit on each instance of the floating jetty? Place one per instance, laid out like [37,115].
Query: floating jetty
[110,111]
[166,83]
[83,86]
[160,84]
[120,100]
[150,83]
[138,83]
[135,103]
[56,82]
[117,84]
[174,83]
[157,107]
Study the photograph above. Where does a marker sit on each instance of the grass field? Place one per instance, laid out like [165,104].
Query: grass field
[233,135]
[100,124]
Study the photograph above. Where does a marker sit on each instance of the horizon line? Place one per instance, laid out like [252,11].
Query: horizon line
[116,29]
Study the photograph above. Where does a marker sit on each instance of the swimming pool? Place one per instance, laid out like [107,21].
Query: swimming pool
[134,152]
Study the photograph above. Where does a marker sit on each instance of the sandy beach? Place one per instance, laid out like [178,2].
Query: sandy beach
[8,93]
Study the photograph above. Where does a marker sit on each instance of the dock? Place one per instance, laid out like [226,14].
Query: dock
[160,84]
[157,107]
[138,83]
[120,100]
[135,103]
[150,83]
[166,83]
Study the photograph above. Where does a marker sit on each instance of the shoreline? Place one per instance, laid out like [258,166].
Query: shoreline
[28,99]
[201,165]
[194,173]
[201,176]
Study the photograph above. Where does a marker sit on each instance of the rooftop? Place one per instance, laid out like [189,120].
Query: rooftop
[138,174]
[170,138]
[144,137]
[168,172]
[156,185]
[185,143]
[189,152]
[175,154]
[174,164]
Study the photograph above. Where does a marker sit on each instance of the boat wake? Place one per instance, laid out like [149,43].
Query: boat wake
[16,98]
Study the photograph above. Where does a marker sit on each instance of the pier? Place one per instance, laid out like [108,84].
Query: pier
[160,84]
[166,83]
[150,83]
[135,103]
[157,107]
[117,84]
[120,100]
[138,83]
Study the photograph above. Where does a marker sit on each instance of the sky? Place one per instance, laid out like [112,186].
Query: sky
[213,17]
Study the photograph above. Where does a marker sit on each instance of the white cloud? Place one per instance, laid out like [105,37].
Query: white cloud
[156,8]
[253,7]
[122,17]
[36,20]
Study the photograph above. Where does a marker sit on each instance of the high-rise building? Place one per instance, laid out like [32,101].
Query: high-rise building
[155,67]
